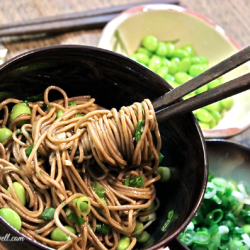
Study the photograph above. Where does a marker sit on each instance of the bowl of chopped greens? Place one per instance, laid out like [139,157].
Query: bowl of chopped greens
[223,219]
[178,44]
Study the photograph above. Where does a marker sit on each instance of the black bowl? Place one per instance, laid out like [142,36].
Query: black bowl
[114,80]
[229,160]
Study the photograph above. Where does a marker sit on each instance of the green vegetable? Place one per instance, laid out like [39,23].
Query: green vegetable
[72,104]
[78,115]
[143,237]
[48,214]
[75,218]
[11,217]
[99,190]
[139,129]
[164,173]
[102,228]
[5,133]
[150,42]
[19,109]
[221,220]
[138,226]
[35,97]
[29,150]
[59,114]
[58,235]
[171,217]
[20,192]
[161,157]
[83,205]
[123,243]
[136,181]
[178,65]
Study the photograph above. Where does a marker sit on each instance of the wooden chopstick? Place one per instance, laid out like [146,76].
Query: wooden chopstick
[91,19]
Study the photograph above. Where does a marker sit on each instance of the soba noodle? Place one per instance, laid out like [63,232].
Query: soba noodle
[72,152]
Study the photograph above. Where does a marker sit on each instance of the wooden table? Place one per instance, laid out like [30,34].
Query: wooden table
[232,15]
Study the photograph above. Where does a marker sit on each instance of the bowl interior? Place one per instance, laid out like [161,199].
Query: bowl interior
[174,23]
[114,80]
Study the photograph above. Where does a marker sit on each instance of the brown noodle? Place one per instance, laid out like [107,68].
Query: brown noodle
[73,153]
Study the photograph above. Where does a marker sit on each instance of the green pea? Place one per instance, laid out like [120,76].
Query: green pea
[173,68]
[144,51]
[189,95]
[203,115]
[181,77]
[162,71]
[176,59]
[180,53]
[133,57]
[20,192]
[212,123]
[216,115]
[189,49]
[166,62]
[138,226]
[11,217]
[165,173]
[155,63]
[78,115]
[204,125]
[213,106]
[142,58]
[174,84]
[123,243]
[143,237]
[195,70]
[170,48]
[185,64]
[19,109]
[199,60]
[169,77]
[5,133]
[162,49]
[83,206]
[227,103]
[150,42]
[201,89]
[59,113]
[59,235]
[214,84]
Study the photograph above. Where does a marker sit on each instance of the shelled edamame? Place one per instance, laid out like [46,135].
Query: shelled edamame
[223,220]
[177,65]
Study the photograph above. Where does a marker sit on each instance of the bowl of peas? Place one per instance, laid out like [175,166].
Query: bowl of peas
[179,44]
[223,219]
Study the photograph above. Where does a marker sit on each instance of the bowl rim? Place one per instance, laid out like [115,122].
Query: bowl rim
[162,243]
[115,22]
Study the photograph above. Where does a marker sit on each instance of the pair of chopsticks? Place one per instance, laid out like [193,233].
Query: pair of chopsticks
[91,19]
[167,107]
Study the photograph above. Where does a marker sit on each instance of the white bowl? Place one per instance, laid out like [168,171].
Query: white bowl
[170,23]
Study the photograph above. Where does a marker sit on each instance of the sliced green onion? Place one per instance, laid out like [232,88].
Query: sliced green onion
[139,129]
[35,97]
[29,150]
[102,228]
[99,190]
[81,204]
[202,238]
[161,157]
[136,181]
[48,214]
[72,104]
[75,218]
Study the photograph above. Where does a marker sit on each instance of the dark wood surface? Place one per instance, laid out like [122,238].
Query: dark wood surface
[232,15]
